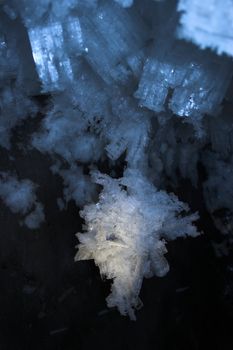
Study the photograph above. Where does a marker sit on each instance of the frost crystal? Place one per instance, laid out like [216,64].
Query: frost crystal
[127,232]
[20,197]
[119,87]
[208,24]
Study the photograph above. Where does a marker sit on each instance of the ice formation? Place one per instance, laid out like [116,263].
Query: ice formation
[126,233]
[208,24]
[20,197]
[181,78]
[133,91]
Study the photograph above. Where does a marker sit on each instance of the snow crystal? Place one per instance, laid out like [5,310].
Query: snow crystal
[126,233]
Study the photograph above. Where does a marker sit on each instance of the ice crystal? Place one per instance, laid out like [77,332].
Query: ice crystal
[133,90]
[208,24]
[127,232]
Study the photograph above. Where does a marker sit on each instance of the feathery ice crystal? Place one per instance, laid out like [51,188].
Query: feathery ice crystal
[127,232]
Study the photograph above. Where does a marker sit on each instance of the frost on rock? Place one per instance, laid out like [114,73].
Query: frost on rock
[20,197]
[209,24]
[127,232]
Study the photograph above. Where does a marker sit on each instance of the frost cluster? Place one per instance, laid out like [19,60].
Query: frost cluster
[129,95]
[20,197]
[127,231]
[208,24]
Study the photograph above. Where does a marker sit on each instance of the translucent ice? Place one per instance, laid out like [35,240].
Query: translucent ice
[50,47]
[179,77]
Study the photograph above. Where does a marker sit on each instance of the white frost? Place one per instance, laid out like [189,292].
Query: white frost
[127,232]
